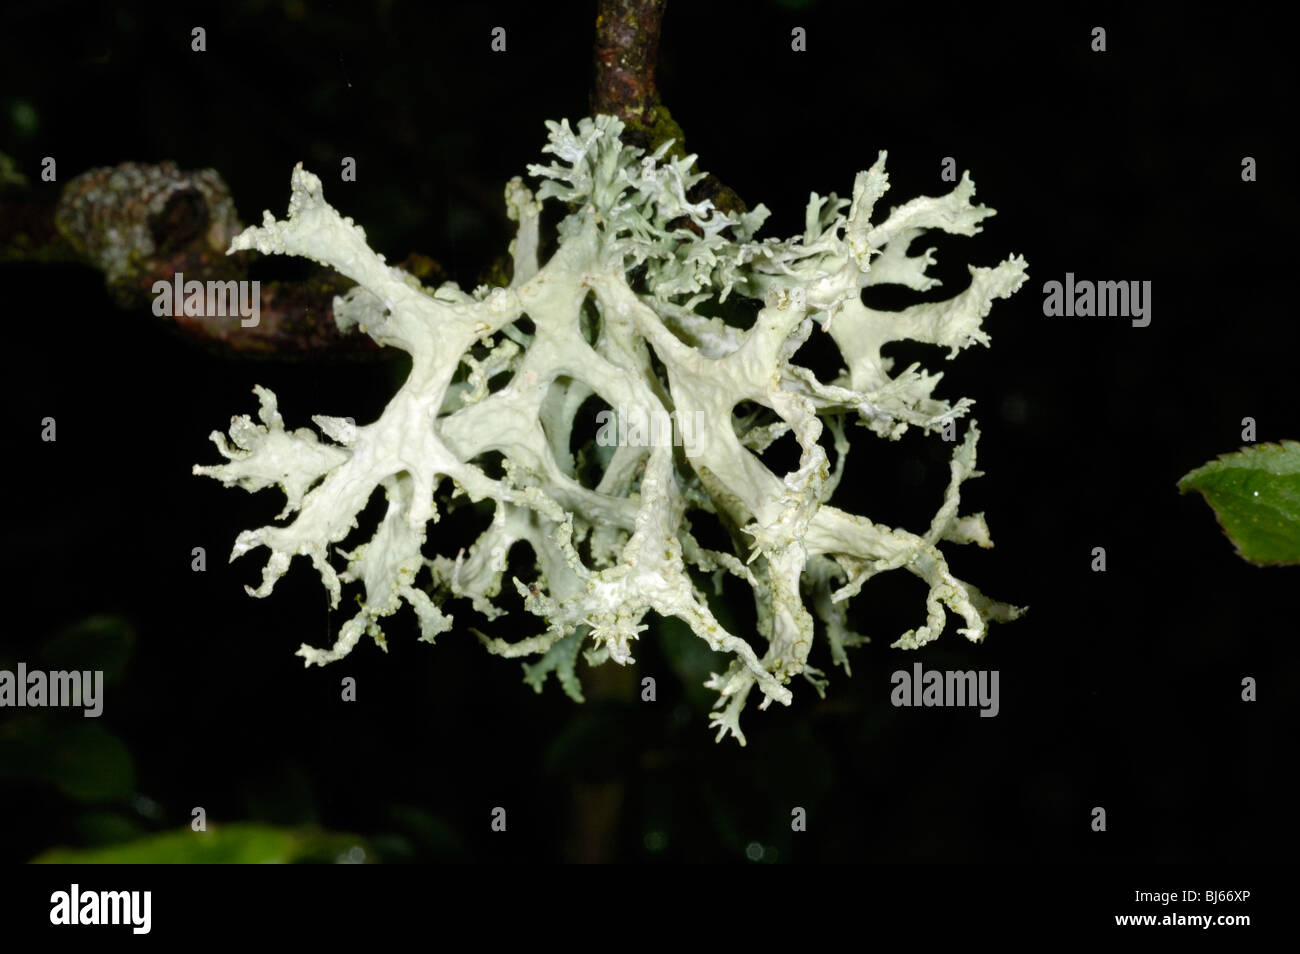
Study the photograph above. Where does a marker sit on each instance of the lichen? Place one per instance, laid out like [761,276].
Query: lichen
[652,266]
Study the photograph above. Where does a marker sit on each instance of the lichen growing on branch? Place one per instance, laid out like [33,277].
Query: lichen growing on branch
[628,309]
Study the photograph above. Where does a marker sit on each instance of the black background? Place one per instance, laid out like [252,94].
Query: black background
[1118,689]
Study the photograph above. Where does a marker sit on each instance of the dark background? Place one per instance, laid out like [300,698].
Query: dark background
[1118,689]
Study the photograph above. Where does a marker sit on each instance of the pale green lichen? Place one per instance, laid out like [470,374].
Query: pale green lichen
[652,263]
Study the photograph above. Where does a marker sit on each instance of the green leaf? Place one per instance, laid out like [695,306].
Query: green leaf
[431,833]
[237,843]
[1255,493]
[97,642]
[80,759]
[99,827]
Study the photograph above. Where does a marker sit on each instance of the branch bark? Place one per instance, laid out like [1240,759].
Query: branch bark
[139,223]
[626,55]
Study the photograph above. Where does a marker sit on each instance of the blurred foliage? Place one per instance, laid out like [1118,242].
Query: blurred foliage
[98,642]
[241,843]
[62,748]
[82,760]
